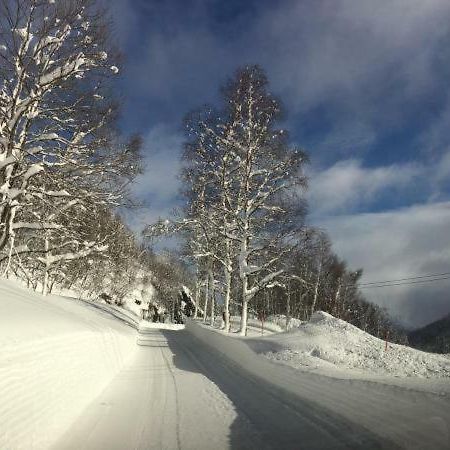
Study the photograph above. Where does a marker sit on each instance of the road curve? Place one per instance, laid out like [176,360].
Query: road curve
[176,394]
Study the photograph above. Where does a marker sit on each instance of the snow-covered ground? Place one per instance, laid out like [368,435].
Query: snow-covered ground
[56,355]
[254,326]
[283,323]
[72,376]
[326,344]
[409,415]
[332,347]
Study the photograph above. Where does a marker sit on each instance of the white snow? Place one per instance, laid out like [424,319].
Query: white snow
[330,344]
[254,327]
[72,377]
[56,355]
[144,325]
[159,401]
[406,415]
[280,320]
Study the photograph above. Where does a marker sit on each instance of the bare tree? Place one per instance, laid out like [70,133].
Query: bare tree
[55,114]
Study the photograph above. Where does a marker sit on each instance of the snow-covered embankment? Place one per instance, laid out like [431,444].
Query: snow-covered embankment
[331,346]
[57,355]
[334,348]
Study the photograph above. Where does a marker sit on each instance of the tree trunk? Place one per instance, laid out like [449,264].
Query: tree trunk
[243,264]
[213,296]
[8,264]
[288,306]
[45,281]
[316,290]
[227,299]
[243,330]
[82,285]
[206,299]
[196,298]
[336,298]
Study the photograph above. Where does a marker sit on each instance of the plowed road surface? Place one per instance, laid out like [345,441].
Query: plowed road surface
[176,393]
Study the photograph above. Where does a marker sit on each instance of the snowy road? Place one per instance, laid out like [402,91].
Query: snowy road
[178,394]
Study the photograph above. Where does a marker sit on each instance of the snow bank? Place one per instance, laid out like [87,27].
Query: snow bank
[330,344]
[144,325]
[254,326]
[280,320]
[401,417]
[57,355]
[330,348]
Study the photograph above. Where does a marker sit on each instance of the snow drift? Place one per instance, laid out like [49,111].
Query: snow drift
[57,355]
[326,343]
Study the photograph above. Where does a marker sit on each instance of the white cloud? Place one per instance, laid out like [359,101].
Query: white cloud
[158,187]
[347,185]
[159,184]
[398,244]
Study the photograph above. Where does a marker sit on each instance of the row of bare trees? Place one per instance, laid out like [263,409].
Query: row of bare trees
[244,224]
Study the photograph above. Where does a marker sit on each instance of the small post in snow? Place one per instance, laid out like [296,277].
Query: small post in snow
[262,323]
[386,339]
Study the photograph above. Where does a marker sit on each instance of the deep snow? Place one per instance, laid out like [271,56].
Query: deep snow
[72,376]
[405,416]
[56,355]
[332,347]
[326,342]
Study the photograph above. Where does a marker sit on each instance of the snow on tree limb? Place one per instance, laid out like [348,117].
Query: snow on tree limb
[59,152]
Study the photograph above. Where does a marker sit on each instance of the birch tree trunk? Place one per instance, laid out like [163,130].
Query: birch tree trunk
[288,305]
[244,313]
[206,298]
[45,280]
[316,290]
[243,330]
[243,265]
[196,298]
[227,274]
[213,296]
[336,298]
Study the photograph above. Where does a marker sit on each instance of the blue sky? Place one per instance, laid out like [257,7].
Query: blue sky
[365,84]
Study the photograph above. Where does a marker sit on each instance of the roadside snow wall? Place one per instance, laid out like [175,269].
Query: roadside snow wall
[56,356]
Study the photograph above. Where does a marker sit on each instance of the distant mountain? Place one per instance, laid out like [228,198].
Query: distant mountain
[434,337]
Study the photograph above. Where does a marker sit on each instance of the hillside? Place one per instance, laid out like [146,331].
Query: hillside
[434,337]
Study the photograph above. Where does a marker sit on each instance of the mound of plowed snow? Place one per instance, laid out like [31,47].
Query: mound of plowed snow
[326,343]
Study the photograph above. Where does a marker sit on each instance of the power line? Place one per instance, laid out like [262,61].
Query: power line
[407,279]
[406,283]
